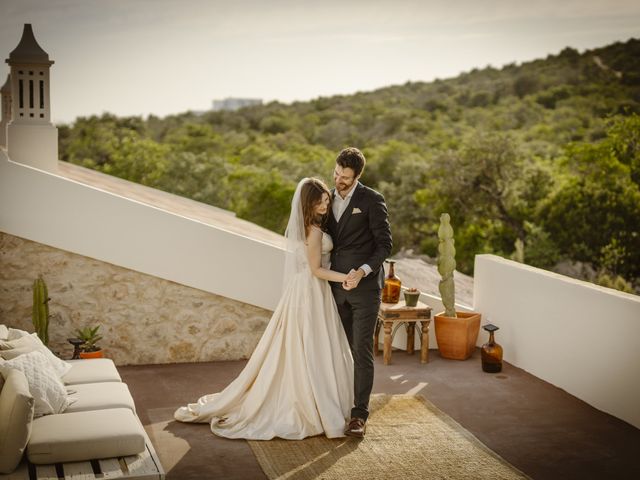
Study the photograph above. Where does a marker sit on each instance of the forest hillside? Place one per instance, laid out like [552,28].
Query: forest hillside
[537,161]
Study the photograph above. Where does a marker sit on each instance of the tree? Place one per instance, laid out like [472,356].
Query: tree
[597,206]
[262,197]
[482,180]
[139,160]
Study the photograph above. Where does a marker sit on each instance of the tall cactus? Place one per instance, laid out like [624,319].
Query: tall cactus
[446,265]
[40,315]
[518,254]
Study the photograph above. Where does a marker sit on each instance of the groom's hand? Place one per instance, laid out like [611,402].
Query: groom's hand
[354,277]
[349,282]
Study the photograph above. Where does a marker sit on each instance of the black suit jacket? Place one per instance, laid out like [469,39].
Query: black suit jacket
[363,235]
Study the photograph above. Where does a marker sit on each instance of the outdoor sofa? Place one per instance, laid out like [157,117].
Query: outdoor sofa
[96,433]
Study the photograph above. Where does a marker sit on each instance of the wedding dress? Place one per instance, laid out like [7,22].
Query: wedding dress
[299,379]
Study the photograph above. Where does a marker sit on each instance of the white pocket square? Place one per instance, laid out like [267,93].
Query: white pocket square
[355,210]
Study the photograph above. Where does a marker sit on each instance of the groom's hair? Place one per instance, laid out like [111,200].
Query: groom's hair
[352,158]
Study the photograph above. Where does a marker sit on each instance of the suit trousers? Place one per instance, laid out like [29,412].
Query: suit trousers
[358,311]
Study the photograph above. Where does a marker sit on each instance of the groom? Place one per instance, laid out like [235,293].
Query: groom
[362,241]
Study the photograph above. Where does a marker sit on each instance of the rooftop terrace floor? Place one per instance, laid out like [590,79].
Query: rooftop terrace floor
[540,429]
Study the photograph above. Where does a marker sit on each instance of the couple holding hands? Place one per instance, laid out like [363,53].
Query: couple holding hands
[312,370]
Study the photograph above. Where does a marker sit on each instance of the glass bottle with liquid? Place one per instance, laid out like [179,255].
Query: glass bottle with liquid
[392,285]
[491,352]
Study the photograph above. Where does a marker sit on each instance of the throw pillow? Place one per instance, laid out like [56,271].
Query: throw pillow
[16,415]
[30,343]
[44,384]
[15,333]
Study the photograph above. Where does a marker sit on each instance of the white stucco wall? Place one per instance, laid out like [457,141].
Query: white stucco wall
[56,211]
[578,336]
[33,144]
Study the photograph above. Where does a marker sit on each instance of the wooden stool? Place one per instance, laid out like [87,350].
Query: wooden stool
[398,314]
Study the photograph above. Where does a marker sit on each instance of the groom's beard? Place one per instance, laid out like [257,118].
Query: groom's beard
[343,188]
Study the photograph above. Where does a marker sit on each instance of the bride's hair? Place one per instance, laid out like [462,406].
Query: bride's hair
[310,196]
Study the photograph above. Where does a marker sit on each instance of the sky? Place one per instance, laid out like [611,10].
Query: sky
[141,57]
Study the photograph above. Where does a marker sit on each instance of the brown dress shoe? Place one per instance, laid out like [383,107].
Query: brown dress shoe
[357,427]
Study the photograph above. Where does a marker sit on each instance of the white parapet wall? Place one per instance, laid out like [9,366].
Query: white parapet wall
[575,335]
[54,210]
[35,145]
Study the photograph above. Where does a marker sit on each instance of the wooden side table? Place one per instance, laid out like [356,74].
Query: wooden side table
[399,314]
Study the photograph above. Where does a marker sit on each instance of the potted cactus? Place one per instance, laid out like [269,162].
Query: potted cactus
[90,338]
[456,332]
[40,312]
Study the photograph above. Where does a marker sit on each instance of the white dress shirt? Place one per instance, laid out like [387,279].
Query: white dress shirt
[338,206]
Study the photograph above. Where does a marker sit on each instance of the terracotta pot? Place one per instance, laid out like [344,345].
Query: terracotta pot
[457,336]
[96,354]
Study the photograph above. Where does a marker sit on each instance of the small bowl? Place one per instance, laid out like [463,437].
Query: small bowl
[411,298]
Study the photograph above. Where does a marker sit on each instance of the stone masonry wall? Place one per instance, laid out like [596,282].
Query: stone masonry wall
[144,319]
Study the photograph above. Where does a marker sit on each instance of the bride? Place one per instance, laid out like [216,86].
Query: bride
[299,379]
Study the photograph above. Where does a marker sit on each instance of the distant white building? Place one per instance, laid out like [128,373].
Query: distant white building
[230,103]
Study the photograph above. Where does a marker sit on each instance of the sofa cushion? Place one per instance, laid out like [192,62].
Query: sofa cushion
[99,396]
[16,415]
[29,343]
[80,436]
[44,384]
[93,370]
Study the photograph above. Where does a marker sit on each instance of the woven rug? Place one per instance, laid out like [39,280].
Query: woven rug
[407,438]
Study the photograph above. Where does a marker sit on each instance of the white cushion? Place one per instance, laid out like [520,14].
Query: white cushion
[93,370]
[4,332]
[15,333]
[44,384]
[29,343]
[100,396]
[16,415]
[80,436]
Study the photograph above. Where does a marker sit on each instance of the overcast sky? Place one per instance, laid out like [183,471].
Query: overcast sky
[135,57]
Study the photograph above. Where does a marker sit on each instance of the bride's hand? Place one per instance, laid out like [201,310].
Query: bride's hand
[347,286]
[349,283]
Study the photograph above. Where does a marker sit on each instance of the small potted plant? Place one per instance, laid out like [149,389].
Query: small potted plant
[90,338]
[456,332]
[411,296]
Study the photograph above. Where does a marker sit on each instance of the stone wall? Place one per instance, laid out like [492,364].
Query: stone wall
[144,319]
